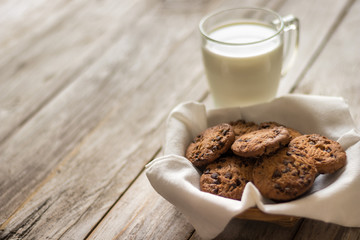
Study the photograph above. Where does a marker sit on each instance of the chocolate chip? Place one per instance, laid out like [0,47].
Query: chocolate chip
[238,183]
[276,174]
[300,154]
[228,175]
[224,132]
[214,175]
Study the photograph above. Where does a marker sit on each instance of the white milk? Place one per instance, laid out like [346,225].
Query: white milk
[246,74]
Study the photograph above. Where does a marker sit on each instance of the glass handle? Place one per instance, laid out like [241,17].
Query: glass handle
[291,34]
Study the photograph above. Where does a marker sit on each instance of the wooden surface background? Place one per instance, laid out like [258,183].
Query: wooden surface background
[85,87]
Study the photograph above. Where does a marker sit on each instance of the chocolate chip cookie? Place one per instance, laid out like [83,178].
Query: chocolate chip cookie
[293,133]
[283,176]
[210,144]
[241,127]
[227,177]
[327,155]
[261,142]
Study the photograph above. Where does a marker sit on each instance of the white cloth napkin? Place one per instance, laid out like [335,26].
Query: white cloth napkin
[333,198]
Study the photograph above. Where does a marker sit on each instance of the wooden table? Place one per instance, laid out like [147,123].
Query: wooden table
[85,88]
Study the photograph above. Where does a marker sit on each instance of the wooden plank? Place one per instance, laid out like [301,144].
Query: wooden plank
[311,229]
[22,170]
[316,25]
[336,71]
[22,22]
[110,151]
[152,217]
[35,65]
[51,132]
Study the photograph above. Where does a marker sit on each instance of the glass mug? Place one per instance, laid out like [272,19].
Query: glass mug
[245,53]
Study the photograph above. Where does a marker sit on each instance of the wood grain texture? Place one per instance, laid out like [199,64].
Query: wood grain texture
[61,41]
[15,31]
[52,133]
[151,218]
[316,26]
[336,71]
[319,230]
[83,100]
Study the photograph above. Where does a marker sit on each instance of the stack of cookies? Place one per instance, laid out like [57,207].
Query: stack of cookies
[281,162]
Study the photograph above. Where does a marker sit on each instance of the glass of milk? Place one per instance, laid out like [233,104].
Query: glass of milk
[245,52]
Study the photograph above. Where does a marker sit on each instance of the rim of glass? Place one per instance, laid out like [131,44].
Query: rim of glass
[204,19]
